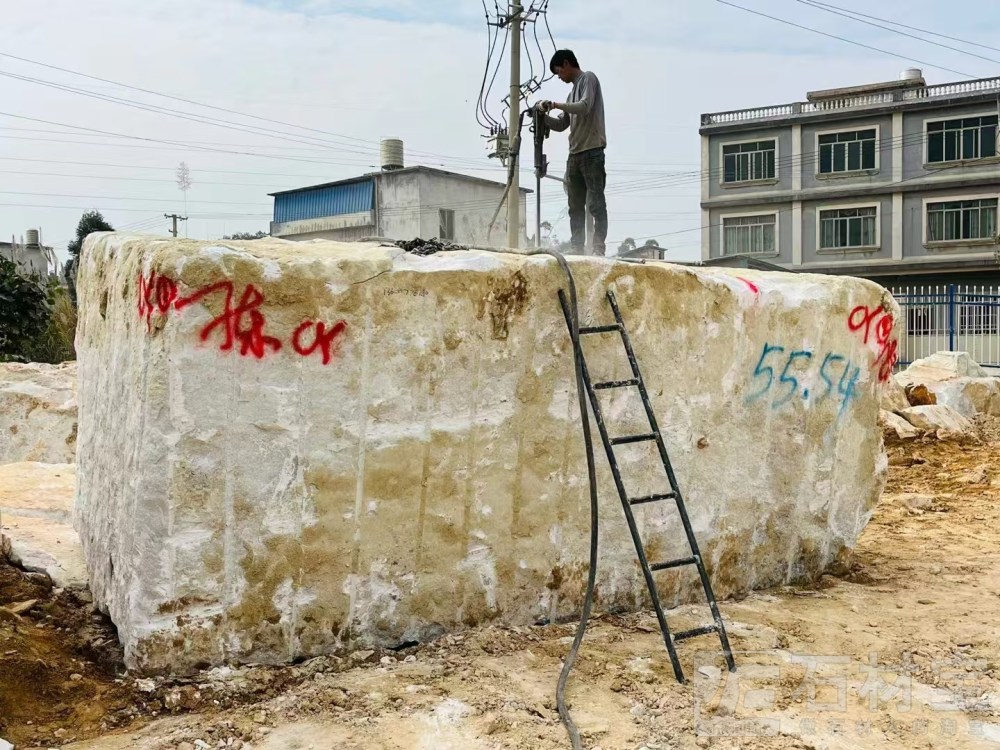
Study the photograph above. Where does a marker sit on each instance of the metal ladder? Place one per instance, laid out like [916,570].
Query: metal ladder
[669,639]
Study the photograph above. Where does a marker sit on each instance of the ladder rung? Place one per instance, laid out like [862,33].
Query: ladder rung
[652,498]
[673,563]
[695,632]
[599,329]
[615,384]
[633,438]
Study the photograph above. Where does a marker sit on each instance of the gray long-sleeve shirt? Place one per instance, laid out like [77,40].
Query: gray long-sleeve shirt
[584,115]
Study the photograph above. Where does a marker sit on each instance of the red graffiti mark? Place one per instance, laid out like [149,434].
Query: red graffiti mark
[753,287]
[241,322]
[157,293]
[323,338]
[879,321]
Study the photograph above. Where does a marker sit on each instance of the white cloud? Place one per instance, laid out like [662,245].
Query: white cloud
[321,64]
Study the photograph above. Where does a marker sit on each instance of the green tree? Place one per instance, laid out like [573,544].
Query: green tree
[24,312]
[91,221]
[651,243]
[260,233]
[627,246]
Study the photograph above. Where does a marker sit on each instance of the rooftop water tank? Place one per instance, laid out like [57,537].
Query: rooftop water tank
[911,74]
[391,152]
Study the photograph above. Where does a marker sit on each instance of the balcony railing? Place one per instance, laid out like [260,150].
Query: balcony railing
[853,102]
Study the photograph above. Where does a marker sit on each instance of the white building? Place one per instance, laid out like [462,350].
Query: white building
[398,203]
[30,255]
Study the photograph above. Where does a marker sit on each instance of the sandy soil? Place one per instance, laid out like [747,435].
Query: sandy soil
[897,648]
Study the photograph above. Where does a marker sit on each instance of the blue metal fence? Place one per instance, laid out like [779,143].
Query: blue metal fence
[951,317]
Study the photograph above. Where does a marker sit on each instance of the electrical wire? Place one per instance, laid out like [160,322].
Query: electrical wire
[339,136]
[912,28]
[541,54]
[136,179]
[843,39]
[491,44]
[783,211]
[837,12]
[588,598]
[496,71]
[527,49]
[128,198]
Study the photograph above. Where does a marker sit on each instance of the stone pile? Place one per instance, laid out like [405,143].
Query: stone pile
[938,396]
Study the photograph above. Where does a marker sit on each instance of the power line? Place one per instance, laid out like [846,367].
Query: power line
[207,106]
[491,45]
[836,12]
[496,70]
[132,179]
[191,117]
[844,39]
[121,208]
[127,198]
[912,28]
[167,169]
[889,188]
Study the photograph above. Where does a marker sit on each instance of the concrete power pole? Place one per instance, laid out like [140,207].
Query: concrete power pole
[514,193]
[175,219]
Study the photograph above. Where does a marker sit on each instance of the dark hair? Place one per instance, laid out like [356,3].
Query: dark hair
[561,57]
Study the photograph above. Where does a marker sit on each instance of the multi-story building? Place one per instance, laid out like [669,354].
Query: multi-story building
[398,203]
[897,182]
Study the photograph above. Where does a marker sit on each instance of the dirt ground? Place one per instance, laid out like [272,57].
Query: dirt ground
[896,648]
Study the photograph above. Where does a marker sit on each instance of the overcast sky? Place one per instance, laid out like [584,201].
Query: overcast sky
[357,71]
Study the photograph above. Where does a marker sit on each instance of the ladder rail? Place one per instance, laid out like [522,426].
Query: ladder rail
[678,497]
[629,516]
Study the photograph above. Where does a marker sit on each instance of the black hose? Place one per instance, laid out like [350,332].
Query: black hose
[588,599]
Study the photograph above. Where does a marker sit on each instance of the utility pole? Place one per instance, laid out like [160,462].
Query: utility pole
[514,192]
[175,219]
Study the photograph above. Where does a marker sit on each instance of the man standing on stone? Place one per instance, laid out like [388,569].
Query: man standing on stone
[585,176]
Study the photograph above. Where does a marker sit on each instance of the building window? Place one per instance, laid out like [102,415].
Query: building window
[962,139]
[446,222]
[850,151]
[750,235]
[846,228]
[749,162]
[954,221]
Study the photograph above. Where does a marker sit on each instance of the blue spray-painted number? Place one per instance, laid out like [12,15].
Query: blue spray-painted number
[789,386]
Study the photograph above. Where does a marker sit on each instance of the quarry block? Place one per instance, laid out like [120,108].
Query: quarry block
[287,449]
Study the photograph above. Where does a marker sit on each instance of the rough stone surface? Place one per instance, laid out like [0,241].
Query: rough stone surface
[36,504]
[37,413]
[939,419]
[894,396]
[941,366]
[894,426]
[245,497]
[954,380]
[969,396]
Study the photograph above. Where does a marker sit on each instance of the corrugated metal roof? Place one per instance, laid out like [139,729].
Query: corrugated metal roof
[405,170]
[334,200]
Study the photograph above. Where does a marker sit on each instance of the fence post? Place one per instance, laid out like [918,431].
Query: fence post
[951,317]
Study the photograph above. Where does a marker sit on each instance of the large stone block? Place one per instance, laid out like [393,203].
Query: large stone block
[287,449]
[37,412]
